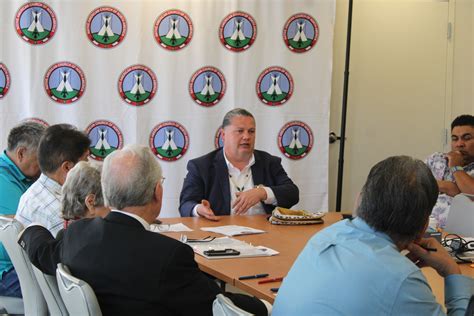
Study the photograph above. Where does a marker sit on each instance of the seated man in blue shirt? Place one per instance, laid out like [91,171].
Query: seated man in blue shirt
[356,268]
[18,170]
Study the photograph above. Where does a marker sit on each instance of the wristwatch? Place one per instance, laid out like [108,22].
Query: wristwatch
[456,168]
[260,186]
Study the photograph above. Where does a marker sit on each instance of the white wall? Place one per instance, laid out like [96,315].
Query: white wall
[441,84]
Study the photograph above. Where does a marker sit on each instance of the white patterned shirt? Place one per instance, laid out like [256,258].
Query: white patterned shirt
[41,203]
[438,164]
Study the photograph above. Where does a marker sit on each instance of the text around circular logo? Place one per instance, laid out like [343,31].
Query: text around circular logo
[173,29]
[4,80]
[295,140]
[218,142]
[169,141]
[35,22]
[37,120]
[274,86]
[106,27]
[137,85]
[64,82]
[301,33]
[105,138]
[238,31]
[207,86]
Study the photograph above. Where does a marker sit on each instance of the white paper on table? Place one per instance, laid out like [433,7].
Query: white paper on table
[233,230]
[165,228]
[246,250]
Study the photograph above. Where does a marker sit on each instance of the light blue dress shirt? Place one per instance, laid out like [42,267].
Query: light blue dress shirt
[13,183]
[350,269]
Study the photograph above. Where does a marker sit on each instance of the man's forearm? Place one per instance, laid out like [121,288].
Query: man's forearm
[465,183]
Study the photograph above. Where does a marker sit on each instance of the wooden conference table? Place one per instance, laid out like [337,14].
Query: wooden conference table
[287,240]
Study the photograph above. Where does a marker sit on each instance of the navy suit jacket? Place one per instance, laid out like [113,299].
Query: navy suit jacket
[208,178]
[132,271]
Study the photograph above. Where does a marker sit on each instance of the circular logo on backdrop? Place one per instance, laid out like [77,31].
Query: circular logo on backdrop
[137,85]
[64,82]
[169,141]
[4,80]
[218,142]
[301,32]
[207,86]
[274,86]
[35,22]
[173,29]
[106,27]
[238,31]
[105,138]
[295,140]
[37,120]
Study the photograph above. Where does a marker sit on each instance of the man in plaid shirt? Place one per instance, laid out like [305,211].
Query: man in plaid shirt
[60,148]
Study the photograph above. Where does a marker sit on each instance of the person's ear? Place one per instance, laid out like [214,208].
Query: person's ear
[90,203]
[67,166]
[422,233]
[21,153]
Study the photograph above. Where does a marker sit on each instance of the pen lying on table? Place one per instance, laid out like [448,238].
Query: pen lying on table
[256,276]
[271,280]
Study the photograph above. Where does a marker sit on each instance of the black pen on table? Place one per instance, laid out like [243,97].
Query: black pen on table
[256,276]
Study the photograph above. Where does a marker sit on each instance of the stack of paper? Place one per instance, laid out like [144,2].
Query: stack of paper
[245,249]
[233,230]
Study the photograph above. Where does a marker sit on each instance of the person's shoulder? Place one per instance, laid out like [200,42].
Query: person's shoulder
[435,157]
[207,158]
[264,155]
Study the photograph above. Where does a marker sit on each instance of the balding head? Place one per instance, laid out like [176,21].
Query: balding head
[130,177]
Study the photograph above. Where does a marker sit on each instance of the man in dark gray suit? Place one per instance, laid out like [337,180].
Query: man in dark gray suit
[132,270]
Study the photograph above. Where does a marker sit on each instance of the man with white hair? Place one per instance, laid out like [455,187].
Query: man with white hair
[132,270]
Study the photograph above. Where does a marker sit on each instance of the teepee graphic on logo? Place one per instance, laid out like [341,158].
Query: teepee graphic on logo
[105,138]
[35,22]
[274,86]
[295,139]
[301,33]
[169,141]
[173,29]
[64,82]
[137,85]
[238,31]
[106,27]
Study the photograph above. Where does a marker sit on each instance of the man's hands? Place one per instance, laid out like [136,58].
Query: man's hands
[247,199]
[440,260]
[455,158]
[204,210]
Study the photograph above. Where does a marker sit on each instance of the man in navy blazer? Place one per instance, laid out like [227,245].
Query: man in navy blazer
[236,179]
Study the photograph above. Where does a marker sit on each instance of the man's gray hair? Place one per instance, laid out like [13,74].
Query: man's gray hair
[130,176]
[398,197]
[233,113]
[82,180]
[26,134]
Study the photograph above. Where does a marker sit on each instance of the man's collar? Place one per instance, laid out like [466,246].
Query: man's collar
[138,218]
[14,168]
[231,166]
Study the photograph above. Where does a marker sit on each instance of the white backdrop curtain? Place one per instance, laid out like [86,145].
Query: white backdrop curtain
[27,65]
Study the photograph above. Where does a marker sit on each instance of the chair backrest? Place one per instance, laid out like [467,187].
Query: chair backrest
[77,295]
[49,287]
[223,306]
[461,216]
[33,300]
